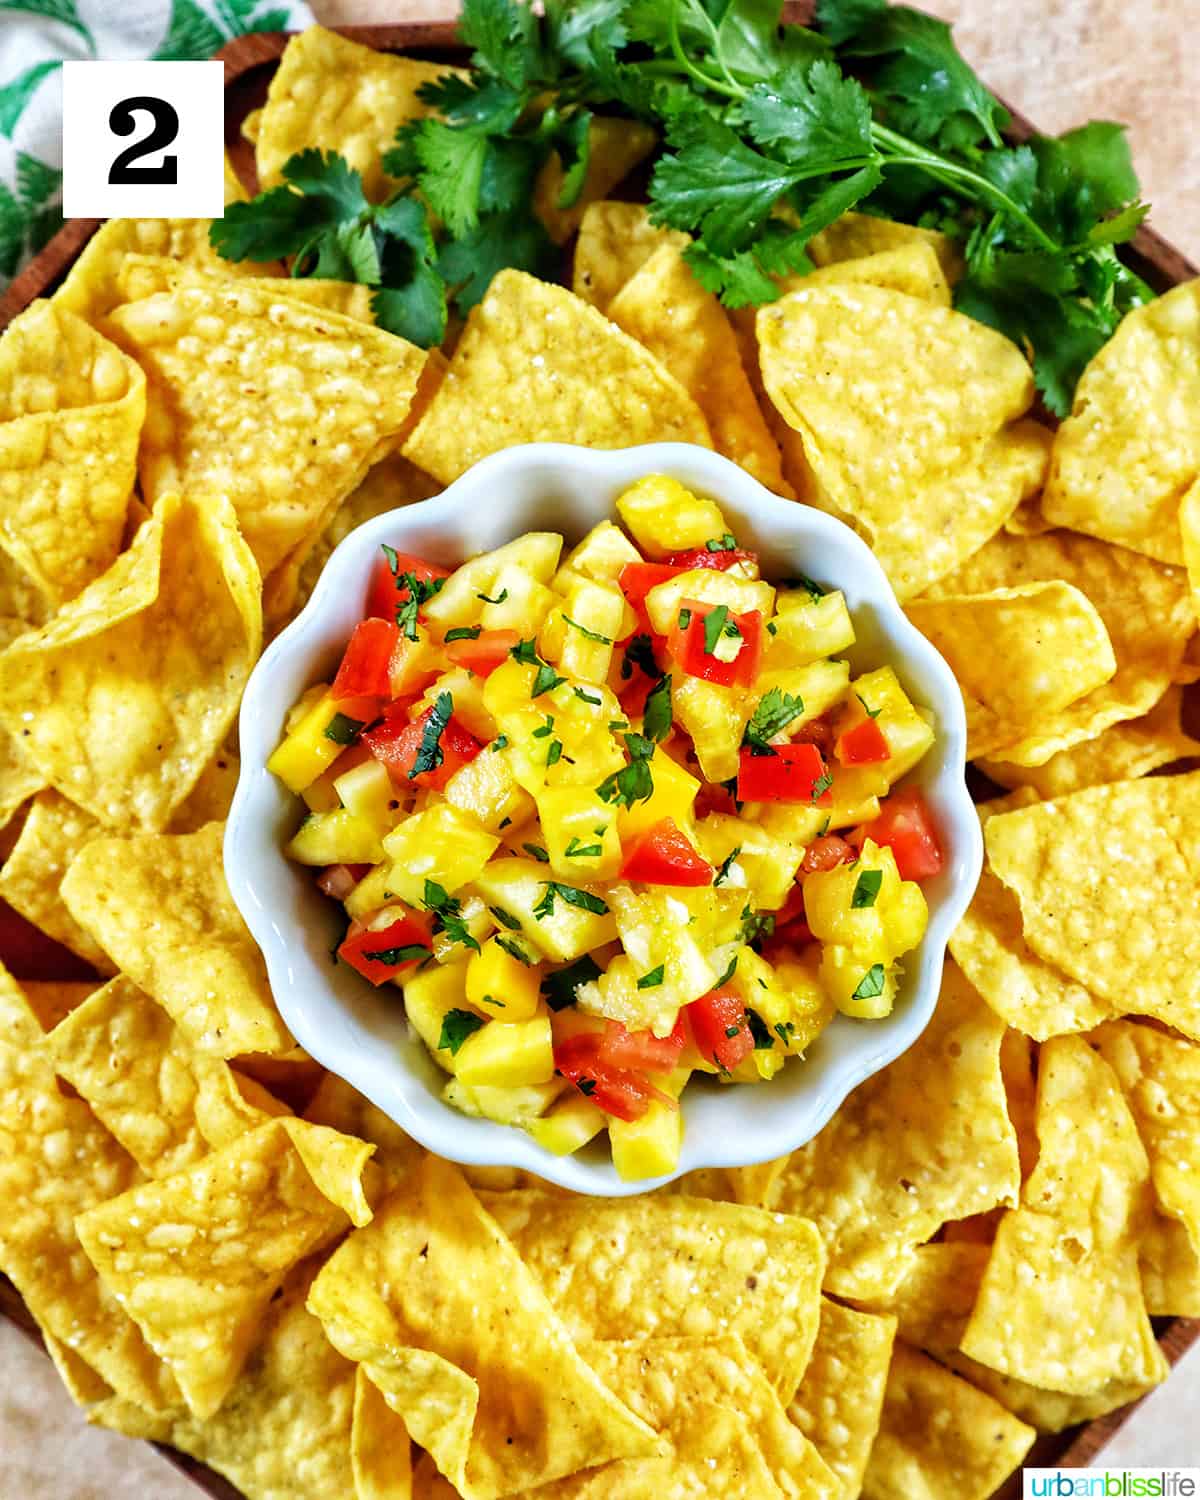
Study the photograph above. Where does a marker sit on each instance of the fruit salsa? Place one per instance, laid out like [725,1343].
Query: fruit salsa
[613,820]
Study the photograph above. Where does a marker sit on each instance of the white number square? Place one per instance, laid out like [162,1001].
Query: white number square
[143,139]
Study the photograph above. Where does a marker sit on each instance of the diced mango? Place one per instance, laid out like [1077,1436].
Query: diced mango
[307,749]
[819,685]
[561,931]
[367,790]
[806,629]
[600,556]
[500,985]
[429,997]
[335,838]
[571,1124]
[487,789]
[321,795]
[466,689]
[762,865]
[908,733]
[715,716]
[458,601]
[371,892]
[519,602]
[674,795]
[442,844]
[665,517]
[516,1056]
[580,832]
[507,1106]
[708,586]
[656,931]
[648,1147]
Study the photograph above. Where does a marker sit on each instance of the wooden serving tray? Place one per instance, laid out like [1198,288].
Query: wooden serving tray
[250,62]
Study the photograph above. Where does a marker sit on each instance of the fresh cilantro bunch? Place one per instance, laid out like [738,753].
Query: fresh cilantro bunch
[769,134]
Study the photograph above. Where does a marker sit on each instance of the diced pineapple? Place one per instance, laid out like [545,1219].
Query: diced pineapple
[794,822]
[516,1056]
[819,686]
[594,617]
[371,892]
[715,716]
[500,985]
[615,996]
[707,586]
[309,698]
[321,796]
[571,1124]
[559,738]
[648,1147]
[507,1106]
[674,796]
[907,732]
[307,749]
[601,556]
[442,844]
[764,865]
[520,602]
[790,1000]
[457,602]
[429,997]
[561,931]
[806,629]
[580,833]
[487,789]
[665,517]
[466,689]
[854,795]
[657,929]
[865,991]
[367,790]
[477,920]
[335,838]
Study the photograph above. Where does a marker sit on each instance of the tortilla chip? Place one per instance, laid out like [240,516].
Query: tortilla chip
[52,999]
[1106,882]
[615,146]
[615,242]
[926,1140]
[840,1399]
[340,1106]
[989,946]
[666,309]
[448,1322]
[654,1267]
[159,906]
[1050,638]
[84,1385]
[56,1161]
[908,416]
[285,1430]
[1060,1305]
[856,236]
[753,1185]
[286,435]
[1127,750]
[939,1436]
[126,694]
[1160,1078]
[1131,445]
[209,800]
[1144,606]
[536,364]
[71,411]
[167,1104]
[146,275]
[911,268]
[196,1258]
[332,94]
[53,834]
[380,1451]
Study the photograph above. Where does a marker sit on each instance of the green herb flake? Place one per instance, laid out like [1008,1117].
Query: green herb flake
[871,713]
[457,1026]
[577,850]
[760,1031]
[448,915]
[653,979]
[821,785]
[343,730]
[866,889]
[505,918]
[559,987]
[591,635]
[775,711]
[463,633]
[871,984]
[429,752]
[572,896]
[658,714]
[723,869]
[535,851]
[499,599]
[517,951]
[393,957]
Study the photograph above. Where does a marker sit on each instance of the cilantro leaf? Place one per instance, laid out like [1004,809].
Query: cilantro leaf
[871,984]
[343,730]
[658,714]
[394,957]
[775,711]
[571,895]
[448,913]
[866,889]
[429,753]
[723,869]
[591,635]
[457,1026]
[652,979]
[504,36]
[759,1030]
[634,782]
[815,117]
[560,986]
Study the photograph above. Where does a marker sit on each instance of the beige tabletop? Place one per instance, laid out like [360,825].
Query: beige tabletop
[1060,62]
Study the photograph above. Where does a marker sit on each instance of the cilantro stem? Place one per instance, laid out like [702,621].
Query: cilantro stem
[715,84]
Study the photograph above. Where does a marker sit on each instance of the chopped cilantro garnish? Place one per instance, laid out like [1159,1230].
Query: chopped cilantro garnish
[723,869]
[576,850]
[543,730]
[505,918]
[525,652]
[500,742]
[554,752]
[517,950]
[491,1000]
[448,912]
[572,895]
[717,624]
[759,1030]
[756,924]
[871,713]
[684,619]
[592,635]
[871,984]
[463,633]
[729,972]
[395,956]
[429,751]
[392,558]
[545,681]
[586,1086]
[343,730]
[499,599]
[536,852]
[657,714]
[457,1026]
[776,710]
[639,653]
[633,782]
[785,1030]
[822,784]
[813,590]
[652,980]
[866,888]
[725,543]
[616,725]
[420,591]
[559,988]
[587,697]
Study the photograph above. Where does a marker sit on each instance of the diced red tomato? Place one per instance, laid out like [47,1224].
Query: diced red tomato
[396,742]
[664,855]
[380,953]
[621,1092]
[483,653]
[906,826]
[792,774]
[818,732]
[719,1026]
[714,797]
[826,852]
[791,928]
[339,880]
[864,744]
[642,1050]
[686,645]
[702,557]
[364,669]
[389,589]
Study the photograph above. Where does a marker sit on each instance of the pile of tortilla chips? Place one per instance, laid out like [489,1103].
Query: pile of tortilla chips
[229,1250]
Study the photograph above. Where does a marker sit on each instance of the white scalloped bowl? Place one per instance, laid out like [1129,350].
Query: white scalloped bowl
[359,1032]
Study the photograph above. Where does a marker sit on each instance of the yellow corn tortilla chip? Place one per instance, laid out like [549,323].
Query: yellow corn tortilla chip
[615,147]
[1144,606]
[1060,1305]
[1189,527]
[166,1103]
[654,1267]
[54,833]
[159,905]
[926,1140]
[209,800]
[911,268]
[84,1385]
[436,1304]
[292,1076]
[753,1185]
[615,241]
[989,946]
[908,414]
[1050,638]
[332,94]
[840,1399]
[856,236]
[145,275]
[287,439]
[1131,445]
[939,1436]
[666,309]
[336,1104]
[195,1258]
[72,407]
[380,1451]
[1124,752]
[1106,882]
[125,695]
[1160,1078]
[285,1431]
[56,1161]
[537,364]
[52,999]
